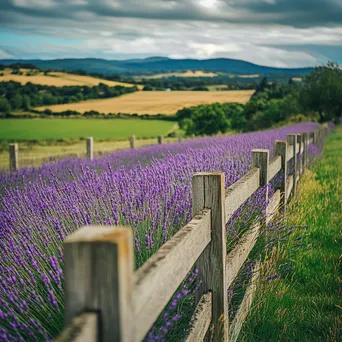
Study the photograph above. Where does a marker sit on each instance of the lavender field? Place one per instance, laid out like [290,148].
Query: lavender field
[148,189]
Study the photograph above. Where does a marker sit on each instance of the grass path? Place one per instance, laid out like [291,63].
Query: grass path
[305,303]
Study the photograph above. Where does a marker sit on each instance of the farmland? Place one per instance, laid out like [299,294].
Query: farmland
[155,200]
[189,73]
[154,102]
[38,129]
[57,79]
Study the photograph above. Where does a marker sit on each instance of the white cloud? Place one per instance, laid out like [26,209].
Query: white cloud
[5,55]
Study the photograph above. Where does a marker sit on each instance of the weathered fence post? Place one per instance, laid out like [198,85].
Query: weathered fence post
[132,141]
[208,192]
[261,160]
[292,141]
[13,157]
[315,137]
[280,149]
[300,163]
[90,148]
[180,138]
[99,278]
[160,140]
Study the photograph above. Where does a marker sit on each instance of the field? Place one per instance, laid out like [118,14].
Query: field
[189,73]
[154,102]
[57,79]
[148,189]
[37,129]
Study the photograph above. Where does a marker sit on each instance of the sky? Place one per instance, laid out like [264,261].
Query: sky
[281,33]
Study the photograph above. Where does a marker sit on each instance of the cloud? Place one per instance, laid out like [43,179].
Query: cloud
[297,13]
[5,55]
[272,32]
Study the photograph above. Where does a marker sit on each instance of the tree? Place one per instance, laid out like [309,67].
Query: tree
[322,91]
[147,88]
[206,121]
[5,107]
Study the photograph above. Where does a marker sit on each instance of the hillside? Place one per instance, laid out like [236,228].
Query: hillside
[57,79]
[160,64]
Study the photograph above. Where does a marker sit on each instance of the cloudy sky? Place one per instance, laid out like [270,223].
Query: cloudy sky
[284,33]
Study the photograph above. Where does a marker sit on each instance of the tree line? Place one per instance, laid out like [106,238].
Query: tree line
[15,96]
[318,98]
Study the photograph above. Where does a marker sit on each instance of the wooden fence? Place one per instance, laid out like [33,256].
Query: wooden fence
[106,300]
[89,153]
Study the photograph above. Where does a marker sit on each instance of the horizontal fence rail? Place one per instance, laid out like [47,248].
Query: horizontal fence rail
[99,276]
[88,153]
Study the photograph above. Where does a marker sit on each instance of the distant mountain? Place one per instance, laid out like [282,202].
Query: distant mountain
[158,65]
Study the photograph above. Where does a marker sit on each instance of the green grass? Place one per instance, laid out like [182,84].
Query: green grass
[41,129]
[306,304]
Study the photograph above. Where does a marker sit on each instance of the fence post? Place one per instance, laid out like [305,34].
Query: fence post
[300,163]
[292,141]
[132,141]
[90,148]
[261,160]
[208,192]
[99,277]
[13,157]
[315,137]
[280,149]
[180,139]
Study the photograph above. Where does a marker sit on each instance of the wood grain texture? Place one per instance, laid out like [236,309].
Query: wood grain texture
[99,277]
[240,191]
[90,148]
[13,157]
[83,328]
[290,153]
[240,252]
[289,186]
[208,192]
[274,168]
[300,153]
[273,206]
[201,319]
[245,305]
[292,142]
[160,276]
[280,149]
[261,160]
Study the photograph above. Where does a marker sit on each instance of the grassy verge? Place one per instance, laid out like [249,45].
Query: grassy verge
[299,294]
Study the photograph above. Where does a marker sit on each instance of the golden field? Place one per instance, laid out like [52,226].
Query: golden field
[189,73]
[154,102]
[57,79]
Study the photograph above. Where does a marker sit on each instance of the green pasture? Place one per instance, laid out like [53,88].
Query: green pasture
[46,129]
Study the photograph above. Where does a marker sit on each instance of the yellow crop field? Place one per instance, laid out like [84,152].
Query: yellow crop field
[58,79]
[189,73]
[154,102]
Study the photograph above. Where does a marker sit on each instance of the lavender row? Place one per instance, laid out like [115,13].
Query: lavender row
[55,200]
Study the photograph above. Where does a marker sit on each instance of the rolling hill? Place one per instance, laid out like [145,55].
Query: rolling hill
[154,65]
[58,79]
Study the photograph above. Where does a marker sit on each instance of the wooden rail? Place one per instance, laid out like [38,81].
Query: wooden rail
[99,275]
[89,153]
